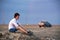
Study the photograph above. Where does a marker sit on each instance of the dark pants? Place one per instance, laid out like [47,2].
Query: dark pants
[13,30]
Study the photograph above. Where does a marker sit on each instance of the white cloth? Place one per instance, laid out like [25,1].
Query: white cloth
[13,23]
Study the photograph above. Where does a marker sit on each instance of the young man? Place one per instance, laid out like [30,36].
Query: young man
[14,25]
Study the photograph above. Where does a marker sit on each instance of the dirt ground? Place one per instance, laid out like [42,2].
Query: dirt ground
[47,33]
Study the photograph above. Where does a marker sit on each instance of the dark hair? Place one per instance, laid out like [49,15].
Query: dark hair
[16,14]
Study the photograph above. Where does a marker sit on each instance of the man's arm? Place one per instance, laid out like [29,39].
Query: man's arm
[18,23]
[14,23]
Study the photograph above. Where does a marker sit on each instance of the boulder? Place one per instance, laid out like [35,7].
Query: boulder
[17,36]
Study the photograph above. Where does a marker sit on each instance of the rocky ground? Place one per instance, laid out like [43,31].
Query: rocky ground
[47,33]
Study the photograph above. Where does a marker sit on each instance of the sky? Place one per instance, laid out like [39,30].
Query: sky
[31,11]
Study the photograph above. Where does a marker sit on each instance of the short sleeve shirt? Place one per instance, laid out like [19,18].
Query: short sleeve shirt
[13,23]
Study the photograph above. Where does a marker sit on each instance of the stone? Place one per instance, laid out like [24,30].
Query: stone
[48,33]
[0,34]
[18,36]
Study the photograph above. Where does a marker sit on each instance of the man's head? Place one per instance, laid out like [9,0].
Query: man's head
[16,16]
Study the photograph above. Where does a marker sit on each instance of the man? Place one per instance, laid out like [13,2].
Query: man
[14,25]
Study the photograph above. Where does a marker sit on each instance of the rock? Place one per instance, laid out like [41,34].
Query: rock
[50,33]
[18,36]
[0,34]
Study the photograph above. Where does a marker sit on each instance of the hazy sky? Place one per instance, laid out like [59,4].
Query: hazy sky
[32,11]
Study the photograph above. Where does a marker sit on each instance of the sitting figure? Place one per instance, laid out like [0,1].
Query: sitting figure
[14,25]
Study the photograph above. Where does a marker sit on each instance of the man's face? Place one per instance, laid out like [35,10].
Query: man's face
[17,17]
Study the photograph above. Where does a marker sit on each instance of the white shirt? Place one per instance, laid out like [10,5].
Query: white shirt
[13,23]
